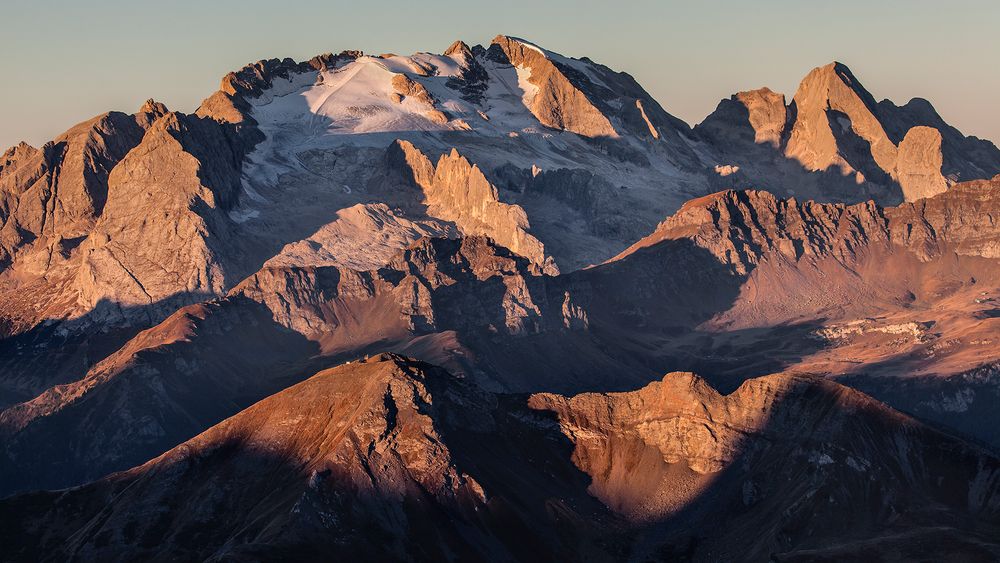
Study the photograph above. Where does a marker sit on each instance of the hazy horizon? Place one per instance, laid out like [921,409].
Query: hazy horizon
[67,62]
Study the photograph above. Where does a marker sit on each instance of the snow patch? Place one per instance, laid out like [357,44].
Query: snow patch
[524,83]
[242,215]
[819,458]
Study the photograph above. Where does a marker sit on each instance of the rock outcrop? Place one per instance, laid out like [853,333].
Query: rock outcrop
[743,228]
[767,114]
[663,451]
[456,190]
[919,164]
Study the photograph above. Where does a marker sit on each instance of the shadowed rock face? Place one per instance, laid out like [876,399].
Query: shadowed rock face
[394,458]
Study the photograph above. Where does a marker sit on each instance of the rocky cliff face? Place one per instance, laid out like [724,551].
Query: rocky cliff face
[56,193]
[657,452]
[767,114]
[73,212]
[118,263]
[919,164]
[557,103]
[586,98]
[456,190]
[741,228]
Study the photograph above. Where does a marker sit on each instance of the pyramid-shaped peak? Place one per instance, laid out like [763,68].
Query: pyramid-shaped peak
[834,72]
[833,81]
[458,48]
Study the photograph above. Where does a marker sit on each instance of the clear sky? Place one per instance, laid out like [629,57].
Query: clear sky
[66,60]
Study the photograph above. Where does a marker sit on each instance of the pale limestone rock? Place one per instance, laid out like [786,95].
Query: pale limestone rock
[813,141]
[157,237]
[767,113]
[918,168]
[558,103]
[456,190]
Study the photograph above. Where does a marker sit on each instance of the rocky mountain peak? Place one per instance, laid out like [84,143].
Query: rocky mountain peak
[458,48]
[832,109]
[560,102]
[587,98]
[149,112]
[766,113]
[154,107]
[16,153]
[254,78]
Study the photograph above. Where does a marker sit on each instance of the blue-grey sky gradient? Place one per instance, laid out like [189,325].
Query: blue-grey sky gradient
[66,60]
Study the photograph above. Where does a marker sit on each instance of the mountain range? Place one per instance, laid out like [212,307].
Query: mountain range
[499,304]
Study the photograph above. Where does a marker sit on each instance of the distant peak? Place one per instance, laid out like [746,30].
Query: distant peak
[822,81]
[154,107]
[509,43]
[835,70]
[458,48]
[20,147]
[924,108]
[15,153]
[329,60]
[763,91]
